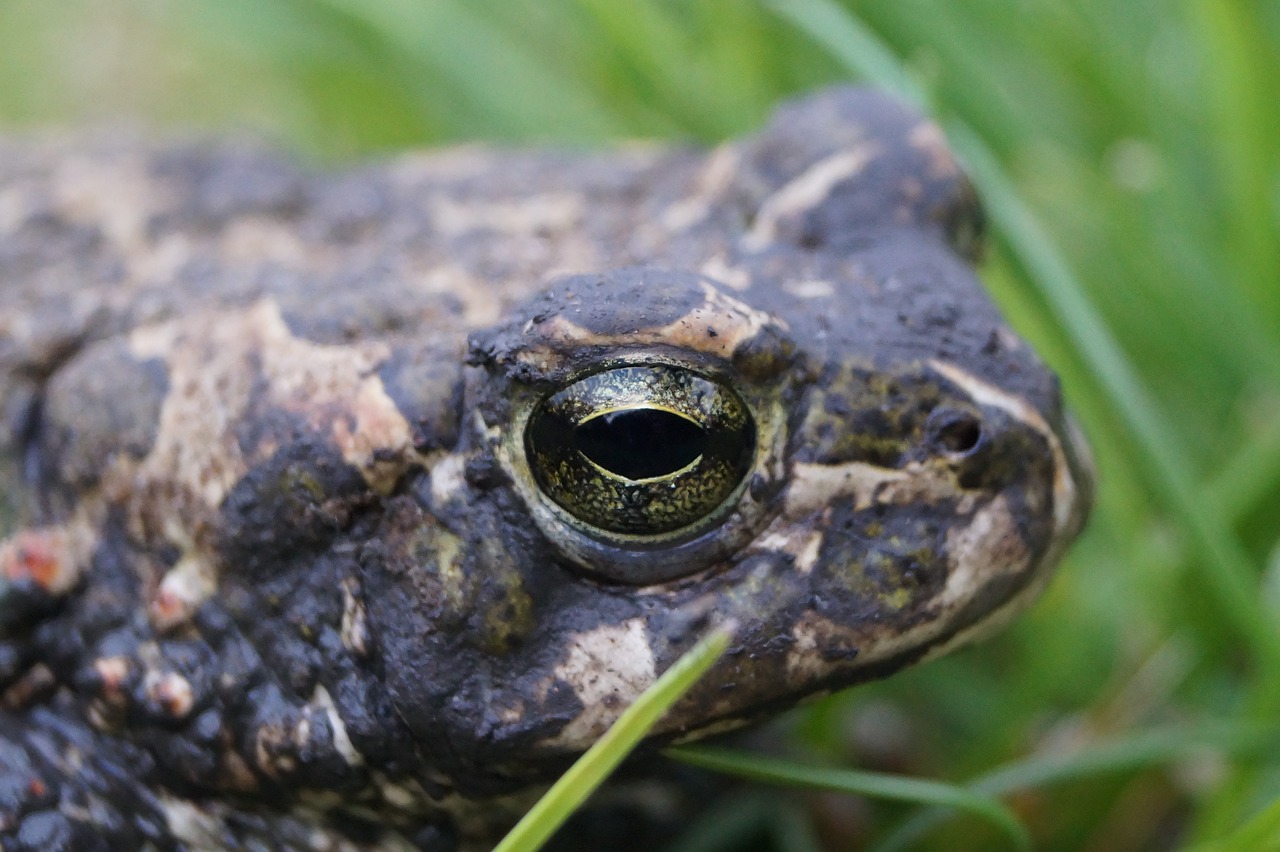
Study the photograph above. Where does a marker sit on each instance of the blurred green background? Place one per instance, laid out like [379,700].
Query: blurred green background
[1134,180]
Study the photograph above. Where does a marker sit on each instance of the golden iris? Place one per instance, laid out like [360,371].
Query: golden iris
[641,450]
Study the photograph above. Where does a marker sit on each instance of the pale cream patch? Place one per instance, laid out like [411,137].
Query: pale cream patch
[802,662]
[927,137]
[814,486]
[321,699]
[210,383]
[534,214]
[733,322]
[998,618]
[448,479]
[258,239]
[116,195]
[712,185]
[190,823]
[1065,511]
[379,426]
[733,277]
[806,191]
[815,638]
[338,388]
[481,305]
[987,547]
[799,541]
[354,629]
[809,289]
[607,668]
[188,584]
[808,554]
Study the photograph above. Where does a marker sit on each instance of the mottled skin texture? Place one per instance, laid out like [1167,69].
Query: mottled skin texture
[276,565]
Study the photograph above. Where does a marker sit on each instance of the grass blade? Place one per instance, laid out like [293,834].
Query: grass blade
[1239,71]
[879,785]
[852,44]
[1138,751]
[521,93]
[1260,834]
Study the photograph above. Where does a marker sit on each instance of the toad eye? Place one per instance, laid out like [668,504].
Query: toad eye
[641,450]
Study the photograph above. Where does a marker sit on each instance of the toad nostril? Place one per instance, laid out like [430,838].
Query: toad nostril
[954,432]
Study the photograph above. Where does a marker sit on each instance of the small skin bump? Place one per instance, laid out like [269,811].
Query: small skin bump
[112,673]
[170,692]
[181,591]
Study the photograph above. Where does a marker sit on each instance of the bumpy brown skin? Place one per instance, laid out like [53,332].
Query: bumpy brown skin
[275,566]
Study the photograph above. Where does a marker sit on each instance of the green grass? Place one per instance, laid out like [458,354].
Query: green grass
[1129,153]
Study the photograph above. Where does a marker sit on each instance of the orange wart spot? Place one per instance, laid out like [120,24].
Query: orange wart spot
[40,556]
[172,692]
[168,609]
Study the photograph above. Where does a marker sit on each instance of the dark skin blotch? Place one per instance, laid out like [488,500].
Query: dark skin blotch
[102,404]
[296,501]
[425,383]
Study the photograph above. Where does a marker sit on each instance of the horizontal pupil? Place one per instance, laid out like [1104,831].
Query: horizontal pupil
[640,443]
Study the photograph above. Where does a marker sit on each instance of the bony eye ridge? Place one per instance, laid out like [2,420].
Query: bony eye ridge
[641,451]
